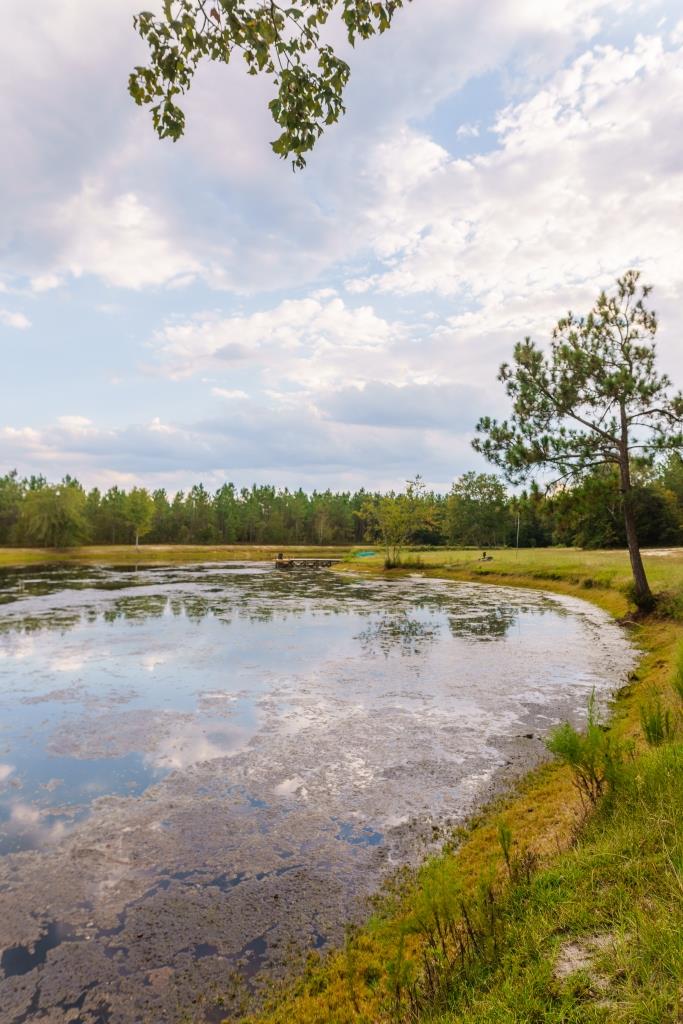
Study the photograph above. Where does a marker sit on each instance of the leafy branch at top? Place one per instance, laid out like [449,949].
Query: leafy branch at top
[280,40]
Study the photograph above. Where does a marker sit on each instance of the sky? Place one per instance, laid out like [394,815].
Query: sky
[175,313]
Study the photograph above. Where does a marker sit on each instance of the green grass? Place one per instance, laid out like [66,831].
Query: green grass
[609,569]
[677,680]
[598,935]
[592,936]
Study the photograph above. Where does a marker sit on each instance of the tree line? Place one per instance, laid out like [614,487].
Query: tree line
[479,510]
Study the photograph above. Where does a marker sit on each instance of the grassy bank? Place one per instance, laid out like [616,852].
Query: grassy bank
[128,554]
[607,572]
[538,911]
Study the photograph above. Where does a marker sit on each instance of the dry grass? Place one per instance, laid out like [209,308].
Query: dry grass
[119,554]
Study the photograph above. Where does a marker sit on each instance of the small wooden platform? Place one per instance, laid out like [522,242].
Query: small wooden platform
[305,563]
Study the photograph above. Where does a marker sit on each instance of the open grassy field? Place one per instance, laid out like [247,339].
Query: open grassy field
[120,554]
[609,569]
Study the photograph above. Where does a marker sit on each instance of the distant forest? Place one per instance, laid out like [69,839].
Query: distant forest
[478,511]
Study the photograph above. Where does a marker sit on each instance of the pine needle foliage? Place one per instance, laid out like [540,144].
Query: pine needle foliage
[595,398]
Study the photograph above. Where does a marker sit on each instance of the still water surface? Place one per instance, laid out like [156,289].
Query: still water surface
[204,768]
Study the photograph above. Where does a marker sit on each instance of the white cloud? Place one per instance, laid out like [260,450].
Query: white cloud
[445,406]
[157,427]
[587,181]
[588,175]
[119,239]
[309,342]
[468,131]
[291,444]
[16,320]
[88,188]
[74,423]
[235,395]
[584,180]
[45,282]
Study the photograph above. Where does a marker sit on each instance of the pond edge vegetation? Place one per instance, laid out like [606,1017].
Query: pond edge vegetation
[561,901]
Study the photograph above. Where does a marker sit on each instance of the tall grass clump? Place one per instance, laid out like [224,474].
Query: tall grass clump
[596,758]
[677,680]
[404,563]
[657,723]
[645,603]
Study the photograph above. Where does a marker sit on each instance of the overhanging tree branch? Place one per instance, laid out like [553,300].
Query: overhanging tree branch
[283,42]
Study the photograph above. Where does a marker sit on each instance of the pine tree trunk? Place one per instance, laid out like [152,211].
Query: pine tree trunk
[643,593]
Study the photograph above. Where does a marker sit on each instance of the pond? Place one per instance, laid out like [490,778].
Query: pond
[205,769]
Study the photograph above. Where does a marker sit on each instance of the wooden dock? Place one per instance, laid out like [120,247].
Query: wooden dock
[305,563]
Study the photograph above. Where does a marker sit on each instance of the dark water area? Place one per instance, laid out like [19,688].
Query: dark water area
[22,959]
[205,769]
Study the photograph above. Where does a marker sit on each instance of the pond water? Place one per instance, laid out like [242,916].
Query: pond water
[204,769]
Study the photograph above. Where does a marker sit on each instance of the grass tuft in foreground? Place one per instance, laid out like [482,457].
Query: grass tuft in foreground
[595,756]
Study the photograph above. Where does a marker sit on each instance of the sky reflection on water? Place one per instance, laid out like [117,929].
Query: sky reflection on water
[110,677]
